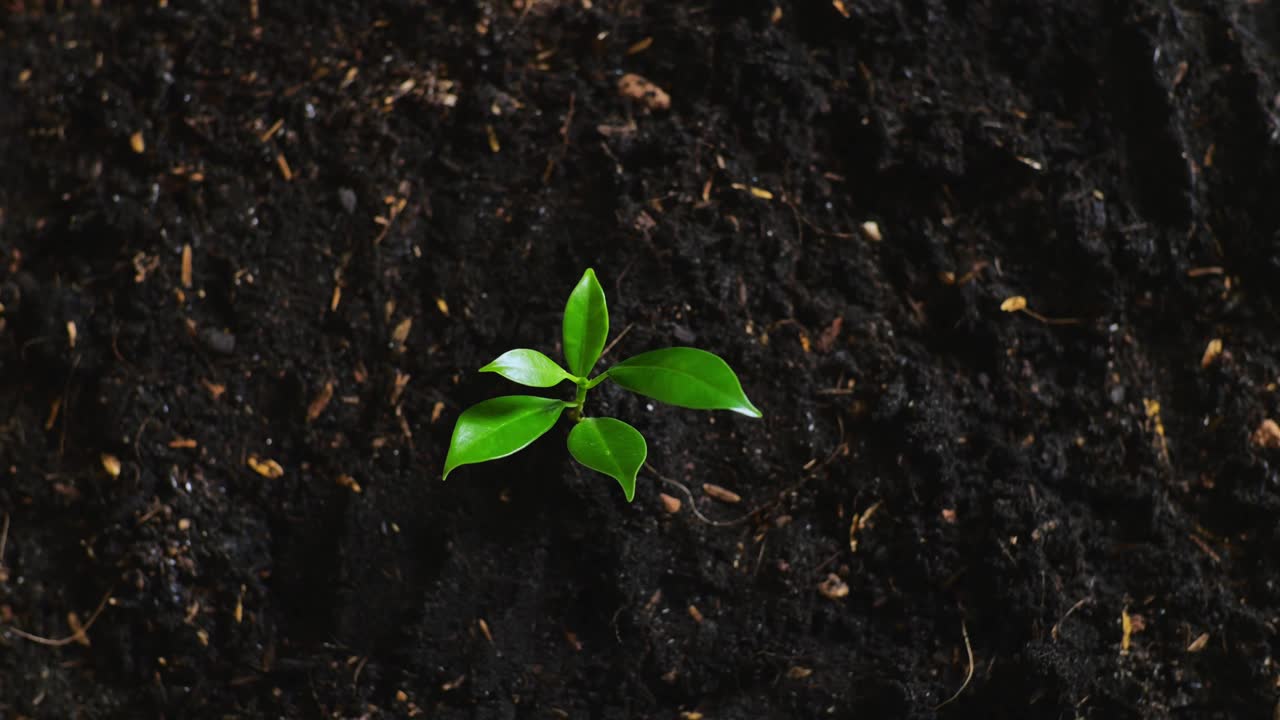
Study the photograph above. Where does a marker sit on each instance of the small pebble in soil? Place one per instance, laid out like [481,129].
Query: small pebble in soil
[648,94]
[219,341]
[670,504]
[833,588]
[347,197]
[1267,435]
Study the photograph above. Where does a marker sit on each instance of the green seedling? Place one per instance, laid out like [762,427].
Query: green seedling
[681,376]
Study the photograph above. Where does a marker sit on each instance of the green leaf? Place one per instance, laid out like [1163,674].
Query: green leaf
[586,325]
[499,427]
[528,367]
[686,377]
[611,447]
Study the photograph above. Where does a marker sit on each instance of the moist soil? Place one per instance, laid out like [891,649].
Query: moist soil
[252,254]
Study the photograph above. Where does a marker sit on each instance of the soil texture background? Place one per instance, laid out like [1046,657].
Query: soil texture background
[1003,278]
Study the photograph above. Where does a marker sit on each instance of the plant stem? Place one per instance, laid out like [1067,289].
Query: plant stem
[579,401]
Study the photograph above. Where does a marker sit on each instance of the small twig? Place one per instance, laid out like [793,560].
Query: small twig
[395,212]
[1051,321]
[355,677]
[564,135]
[818,229]
[617,633]
[1053,632]
[760,556]
[968,677]
[4,539]
[1205,547]
[833,557]
[137,437]
[77,636]
[1018,303]
[617,284]
[621,335]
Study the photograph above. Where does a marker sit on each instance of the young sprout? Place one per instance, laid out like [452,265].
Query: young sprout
[682,376]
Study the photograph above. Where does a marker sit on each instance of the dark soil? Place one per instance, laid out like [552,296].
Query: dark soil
[1021,485]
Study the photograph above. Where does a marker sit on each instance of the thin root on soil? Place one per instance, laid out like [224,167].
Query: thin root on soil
[79,635]
[810,471]
[968,676]
[693,503]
